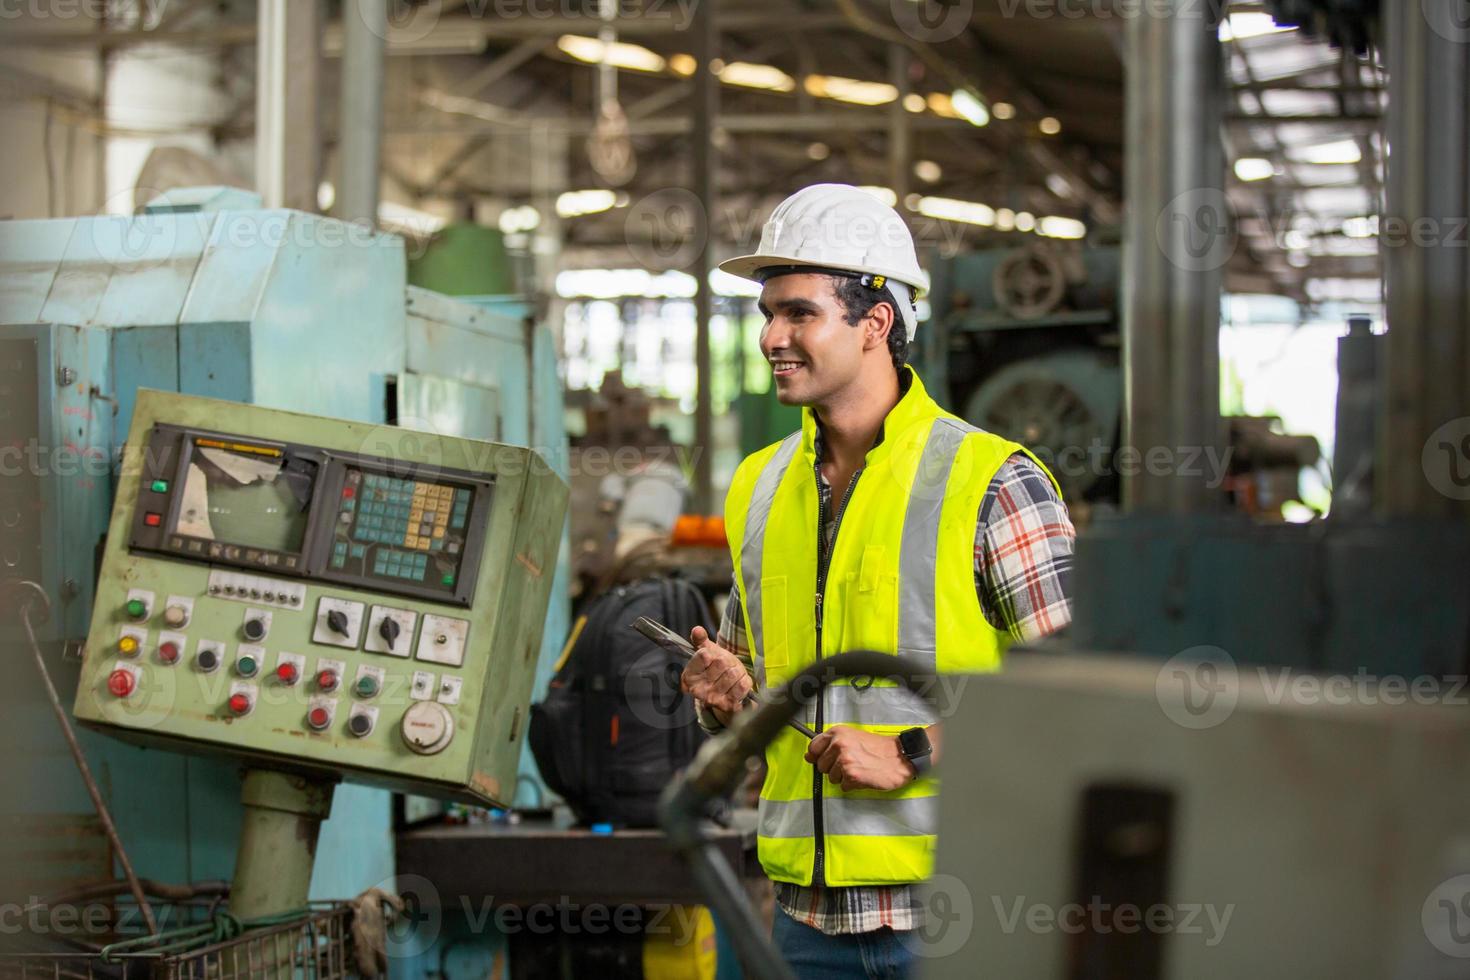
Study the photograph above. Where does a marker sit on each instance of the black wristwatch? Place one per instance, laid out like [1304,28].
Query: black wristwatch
[914,744]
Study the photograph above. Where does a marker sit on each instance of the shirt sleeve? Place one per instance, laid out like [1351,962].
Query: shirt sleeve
[1023,552]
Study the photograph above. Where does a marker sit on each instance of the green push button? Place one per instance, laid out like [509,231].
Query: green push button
[160,486]
[448,579]
[367,686]
[136,609]
[247,666]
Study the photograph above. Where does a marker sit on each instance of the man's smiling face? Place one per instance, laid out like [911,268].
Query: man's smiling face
[813,351]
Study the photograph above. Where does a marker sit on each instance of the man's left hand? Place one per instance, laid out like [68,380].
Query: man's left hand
[855,759]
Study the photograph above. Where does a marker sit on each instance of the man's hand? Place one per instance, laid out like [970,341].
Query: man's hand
[714,675]
[855,759]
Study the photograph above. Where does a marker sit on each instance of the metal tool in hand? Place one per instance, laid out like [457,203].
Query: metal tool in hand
[680,647]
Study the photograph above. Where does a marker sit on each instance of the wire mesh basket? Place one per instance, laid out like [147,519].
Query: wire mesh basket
[313,944]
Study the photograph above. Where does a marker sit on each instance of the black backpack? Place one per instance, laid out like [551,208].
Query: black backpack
[615,727]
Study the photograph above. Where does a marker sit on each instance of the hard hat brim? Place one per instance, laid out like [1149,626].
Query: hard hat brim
[746,267]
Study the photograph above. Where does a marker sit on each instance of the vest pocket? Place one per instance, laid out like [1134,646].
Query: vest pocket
[775,636]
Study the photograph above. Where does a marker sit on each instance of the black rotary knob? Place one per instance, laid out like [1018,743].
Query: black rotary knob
[337,621]
[360,725]
[254,630]
[389,629]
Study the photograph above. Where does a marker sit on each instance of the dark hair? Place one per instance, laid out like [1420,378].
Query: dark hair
[858,301]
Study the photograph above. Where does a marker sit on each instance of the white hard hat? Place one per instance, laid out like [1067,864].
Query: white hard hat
[840,228]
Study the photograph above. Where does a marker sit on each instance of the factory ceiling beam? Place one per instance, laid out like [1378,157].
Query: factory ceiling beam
[1102,207]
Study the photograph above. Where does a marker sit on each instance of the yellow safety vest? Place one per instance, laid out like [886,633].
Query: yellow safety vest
[901,579]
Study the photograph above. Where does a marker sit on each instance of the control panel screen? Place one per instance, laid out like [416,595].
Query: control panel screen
[401,529]
[255,497]
[287,509]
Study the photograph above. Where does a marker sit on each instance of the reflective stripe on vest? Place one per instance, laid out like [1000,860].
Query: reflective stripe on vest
[901,580]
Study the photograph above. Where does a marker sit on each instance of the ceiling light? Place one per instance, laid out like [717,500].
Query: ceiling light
[941,105]
[1249,24]
[682,64]
[1297,260]
[1050,125]
[1058,185]
[969,107]
[1339,151]
[1296,239]
[884,194]
[1003,110]
[1054,226]
[928,171]
[766,77]
[852,90]
[326,195]
[818,151]
[1025,221]
[618,54]
[573,204]
[1363,227]
[949,209]
[1254,168]
[1005,219]
[523,218]
[913,102]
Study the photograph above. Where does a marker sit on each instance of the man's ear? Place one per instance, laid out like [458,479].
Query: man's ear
[877,325]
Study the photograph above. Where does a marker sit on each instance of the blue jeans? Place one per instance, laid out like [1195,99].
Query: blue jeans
[814,955]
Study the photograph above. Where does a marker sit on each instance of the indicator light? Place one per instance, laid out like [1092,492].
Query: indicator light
[240,703]
[287,673]
[246,666]
[327,680]
[349,492]
[152,520]
[160,486]
[121,682]
[136,609]
[318,718]
[448,579]
[175,617]
[367,686]
[128,646]
[168,652]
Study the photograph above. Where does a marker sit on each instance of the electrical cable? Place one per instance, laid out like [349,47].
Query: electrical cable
[723,763]
[32,591]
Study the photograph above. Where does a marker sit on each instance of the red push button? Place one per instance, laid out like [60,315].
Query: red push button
[287,673]
[327,680]
[239,703]
[152,520]
[168,652]
[318,718]
[121,682]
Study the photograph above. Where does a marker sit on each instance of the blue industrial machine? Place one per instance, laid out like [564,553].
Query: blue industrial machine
[1025,342]
[204,292]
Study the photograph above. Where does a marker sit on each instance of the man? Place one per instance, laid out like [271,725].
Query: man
[941,542]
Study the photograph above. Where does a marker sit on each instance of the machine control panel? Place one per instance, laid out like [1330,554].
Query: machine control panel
[302,601]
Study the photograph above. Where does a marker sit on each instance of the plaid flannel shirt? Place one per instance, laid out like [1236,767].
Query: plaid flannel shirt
[1023,571]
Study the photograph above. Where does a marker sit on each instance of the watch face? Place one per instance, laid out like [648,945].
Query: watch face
[914,741]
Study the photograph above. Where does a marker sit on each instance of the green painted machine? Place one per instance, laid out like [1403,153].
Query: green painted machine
[326,599]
